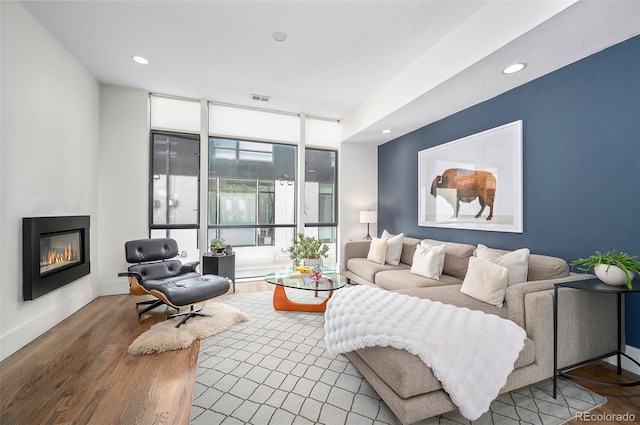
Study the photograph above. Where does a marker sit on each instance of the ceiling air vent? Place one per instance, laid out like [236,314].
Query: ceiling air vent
[260,98]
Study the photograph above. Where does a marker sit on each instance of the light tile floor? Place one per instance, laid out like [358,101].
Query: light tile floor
[274,369]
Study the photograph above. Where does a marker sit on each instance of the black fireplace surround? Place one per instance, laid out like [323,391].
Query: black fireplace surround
[55,251]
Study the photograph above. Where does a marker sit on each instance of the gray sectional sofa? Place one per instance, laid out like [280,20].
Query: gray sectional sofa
[409,387]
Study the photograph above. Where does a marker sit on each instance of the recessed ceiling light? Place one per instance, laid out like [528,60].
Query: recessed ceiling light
[386,131]
[140,60]
[279,36]
[512,69]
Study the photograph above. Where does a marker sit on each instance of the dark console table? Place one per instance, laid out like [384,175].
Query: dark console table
[592,285]
[221,265]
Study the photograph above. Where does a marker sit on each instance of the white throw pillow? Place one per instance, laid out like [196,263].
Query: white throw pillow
[428,261]
[377,250]
[394,247]
[516,261]
[485,281]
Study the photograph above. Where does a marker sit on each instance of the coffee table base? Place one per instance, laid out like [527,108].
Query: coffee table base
[282,303]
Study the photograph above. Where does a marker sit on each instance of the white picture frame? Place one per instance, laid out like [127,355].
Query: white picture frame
[464,172]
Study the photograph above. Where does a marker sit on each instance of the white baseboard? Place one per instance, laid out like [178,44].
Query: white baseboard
[627,364]
[42,320]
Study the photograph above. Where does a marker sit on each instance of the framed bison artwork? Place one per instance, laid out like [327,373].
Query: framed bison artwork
[474,182]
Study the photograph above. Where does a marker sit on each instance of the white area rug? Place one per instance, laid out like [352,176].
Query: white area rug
[275,369]
[164,336]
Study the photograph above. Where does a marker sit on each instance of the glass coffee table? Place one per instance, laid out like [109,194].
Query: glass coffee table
[329,282]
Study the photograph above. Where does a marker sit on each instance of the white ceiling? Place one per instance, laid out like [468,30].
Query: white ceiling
[371,64]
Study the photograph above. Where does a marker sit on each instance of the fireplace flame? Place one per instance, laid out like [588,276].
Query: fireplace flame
[59,257]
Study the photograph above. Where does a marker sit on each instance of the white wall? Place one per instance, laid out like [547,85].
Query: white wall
[50,132]
[358,191]
[124,178]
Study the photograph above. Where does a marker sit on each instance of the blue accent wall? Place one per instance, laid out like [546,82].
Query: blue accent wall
[581,165]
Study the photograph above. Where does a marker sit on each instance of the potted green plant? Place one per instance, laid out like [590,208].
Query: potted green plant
[611,267]
[217,245]
[307,247]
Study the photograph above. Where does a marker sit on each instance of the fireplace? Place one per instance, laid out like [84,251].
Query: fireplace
[55,252]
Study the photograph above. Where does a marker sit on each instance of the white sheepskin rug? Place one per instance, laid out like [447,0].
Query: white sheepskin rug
[164,336]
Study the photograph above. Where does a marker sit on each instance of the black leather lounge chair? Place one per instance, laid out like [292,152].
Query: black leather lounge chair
[178,285]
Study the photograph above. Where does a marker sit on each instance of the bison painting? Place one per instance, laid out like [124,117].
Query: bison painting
[468,185]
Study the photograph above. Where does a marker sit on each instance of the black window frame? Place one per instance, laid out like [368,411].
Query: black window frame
[216,228]
[334,223]
[168,226]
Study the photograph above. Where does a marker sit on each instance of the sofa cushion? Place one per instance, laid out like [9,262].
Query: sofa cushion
[428,260]
[486,281]
[456,259]
[542,267]
[517,262]
[405,373]
[408,376]
[408,249]
[451,294]
[394,247]
[394,280]
[368,269]
[377,250]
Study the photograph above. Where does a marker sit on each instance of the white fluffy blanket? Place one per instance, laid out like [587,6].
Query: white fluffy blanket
[470,352]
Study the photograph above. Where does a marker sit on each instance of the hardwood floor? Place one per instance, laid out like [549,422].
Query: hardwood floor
[79,372]
[620,400]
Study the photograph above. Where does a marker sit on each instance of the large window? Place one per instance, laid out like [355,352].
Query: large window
[252,189]
[174,172]
[320,194]
[252,196]
[174,182]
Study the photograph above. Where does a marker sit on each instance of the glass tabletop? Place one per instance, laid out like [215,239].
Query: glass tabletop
[330,280]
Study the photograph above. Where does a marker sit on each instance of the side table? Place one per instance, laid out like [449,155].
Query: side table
[592,285]
[221,265]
